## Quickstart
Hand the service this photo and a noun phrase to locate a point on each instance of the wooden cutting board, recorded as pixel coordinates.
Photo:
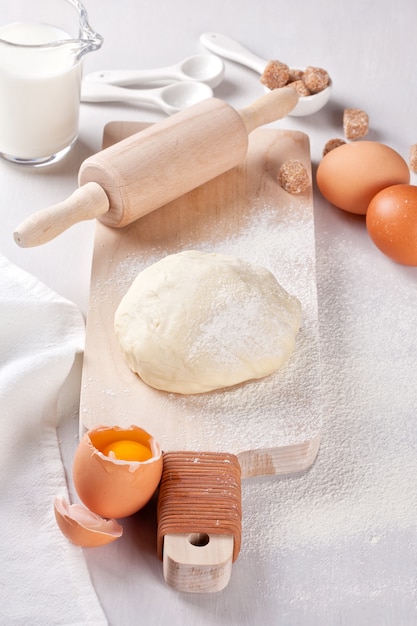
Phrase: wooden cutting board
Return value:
(273, 425)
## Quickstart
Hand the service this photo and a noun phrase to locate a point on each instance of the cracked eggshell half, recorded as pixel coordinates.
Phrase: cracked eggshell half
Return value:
(83, 527)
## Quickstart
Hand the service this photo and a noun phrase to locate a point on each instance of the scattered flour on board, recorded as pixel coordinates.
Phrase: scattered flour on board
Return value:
(286, 406)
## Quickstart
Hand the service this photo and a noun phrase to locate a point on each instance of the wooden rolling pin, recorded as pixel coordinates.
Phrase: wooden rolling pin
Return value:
(139, 174)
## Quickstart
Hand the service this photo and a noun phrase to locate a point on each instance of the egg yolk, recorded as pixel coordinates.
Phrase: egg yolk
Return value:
(125, 450)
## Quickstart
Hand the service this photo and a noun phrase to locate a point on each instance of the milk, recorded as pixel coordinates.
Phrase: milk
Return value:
(39, 91)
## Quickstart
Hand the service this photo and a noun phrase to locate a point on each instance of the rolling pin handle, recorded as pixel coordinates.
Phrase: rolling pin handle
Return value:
(87, 202)
(270, 107)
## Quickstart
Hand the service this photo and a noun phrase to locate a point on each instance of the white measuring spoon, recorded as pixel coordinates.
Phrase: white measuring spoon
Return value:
(171, 98)
(204, 68)
(230, 49)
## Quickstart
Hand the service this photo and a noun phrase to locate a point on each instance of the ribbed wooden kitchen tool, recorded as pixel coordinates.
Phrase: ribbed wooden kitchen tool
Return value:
(266, 427)
(145, 171)
(199, 519)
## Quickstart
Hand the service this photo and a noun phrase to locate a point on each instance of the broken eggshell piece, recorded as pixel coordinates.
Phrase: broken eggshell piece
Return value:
(83, 527)
(112, 487)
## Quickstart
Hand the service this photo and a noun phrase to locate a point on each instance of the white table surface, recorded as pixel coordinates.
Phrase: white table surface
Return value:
(337, 545)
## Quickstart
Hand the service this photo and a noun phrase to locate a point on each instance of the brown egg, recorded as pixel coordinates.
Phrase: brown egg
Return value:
(391, 221)
(117, 470)
(352, 174)
(84, 528)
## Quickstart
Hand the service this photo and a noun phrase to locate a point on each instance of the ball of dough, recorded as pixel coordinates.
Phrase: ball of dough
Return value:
(194, 322)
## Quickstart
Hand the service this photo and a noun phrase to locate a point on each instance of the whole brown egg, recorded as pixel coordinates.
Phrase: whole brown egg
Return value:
(350, 175)
(391, 221)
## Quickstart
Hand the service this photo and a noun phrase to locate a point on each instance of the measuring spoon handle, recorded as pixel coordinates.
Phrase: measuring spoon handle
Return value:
(122, 78)
(103, 92)
(230, 49)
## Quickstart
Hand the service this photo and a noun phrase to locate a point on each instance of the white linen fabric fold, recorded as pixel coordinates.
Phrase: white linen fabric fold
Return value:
(43, 578)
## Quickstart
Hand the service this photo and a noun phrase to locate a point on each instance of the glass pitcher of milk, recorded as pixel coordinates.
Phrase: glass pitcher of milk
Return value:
(42, 43)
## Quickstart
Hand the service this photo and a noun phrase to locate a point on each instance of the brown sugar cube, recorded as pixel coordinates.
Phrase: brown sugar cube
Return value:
(355, 123)
(275, 75)
(300, 87)
(293, 177)
(332, 144)
(316, 78)
(413, 158)
(295, 74)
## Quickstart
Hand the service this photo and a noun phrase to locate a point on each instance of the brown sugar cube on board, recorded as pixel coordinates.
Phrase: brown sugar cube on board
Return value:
(275, 75)
(332, 144)
(413, 158)
(355, 123)
(293, 177)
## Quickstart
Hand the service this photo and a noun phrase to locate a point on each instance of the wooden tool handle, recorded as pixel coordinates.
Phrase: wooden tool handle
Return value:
(270, 107)
(197, 563)
(85, 203)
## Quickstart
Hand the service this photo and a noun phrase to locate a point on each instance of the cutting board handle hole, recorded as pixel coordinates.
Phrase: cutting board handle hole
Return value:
(199, 539)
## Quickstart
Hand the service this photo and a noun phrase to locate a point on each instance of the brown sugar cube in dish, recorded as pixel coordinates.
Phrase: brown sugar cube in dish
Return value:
(295, 74)
(300, 87)
(413, 158)
(316, 78)
(332, 144)
(275, 75)
(293, 177)
(355, 123)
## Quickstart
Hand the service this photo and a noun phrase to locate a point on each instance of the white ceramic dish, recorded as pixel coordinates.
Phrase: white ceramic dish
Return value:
(234, 51)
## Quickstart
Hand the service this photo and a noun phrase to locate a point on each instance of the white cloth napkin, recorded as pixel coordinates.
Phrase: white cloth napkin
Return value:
(43, 578)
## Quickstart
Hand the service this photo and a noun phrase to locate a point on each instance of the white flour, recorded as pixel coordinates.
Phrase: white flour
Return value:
(282, 409)
(360, 497)
(322, 548)
(365, 473)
